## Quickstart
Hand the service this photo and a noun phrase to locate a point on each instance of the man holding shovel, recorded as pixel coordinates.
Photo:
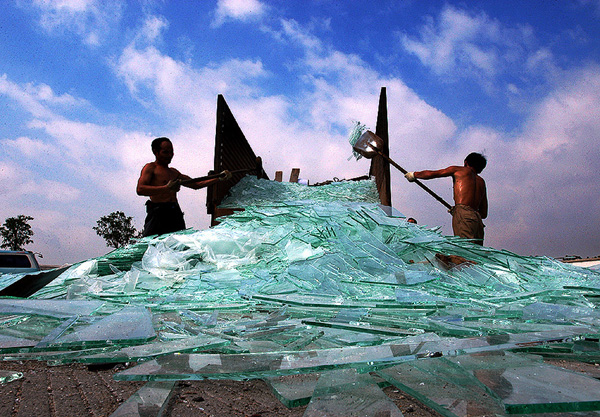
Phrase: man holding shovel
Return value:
(161, 183)
(470, 195)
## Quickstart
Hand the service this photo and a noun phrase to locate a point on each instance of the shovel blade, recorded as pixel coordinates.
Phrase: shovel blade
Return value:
(368, 144)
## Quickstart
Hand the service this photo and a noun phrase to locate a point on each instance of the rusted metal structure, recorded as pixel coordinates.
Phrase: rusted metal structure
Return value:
(233, 152)
(380, 167)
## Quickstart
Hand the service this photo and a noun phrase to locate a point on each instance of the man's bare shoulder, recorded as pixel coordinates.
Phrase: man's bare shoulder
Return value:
(153, 166)
(150, 166)
(463, 171)
(452, 170)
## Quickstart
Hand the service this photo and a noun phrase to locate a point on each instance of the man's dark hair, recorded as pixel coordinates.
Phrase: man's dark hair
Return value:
(157, 142)
(476, 161)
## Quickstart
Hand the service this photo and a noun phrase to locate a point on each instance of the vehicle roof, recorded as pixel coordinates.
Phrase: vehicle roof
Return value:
(14, 251)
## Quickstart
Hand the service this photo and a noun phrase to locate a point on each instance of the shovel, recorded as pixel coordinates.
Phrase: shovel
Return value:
(369, 145)
(257, 168)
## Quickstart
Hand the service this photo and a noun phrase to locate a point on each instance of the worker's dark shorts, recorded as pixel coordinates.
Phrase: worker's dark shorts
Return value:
(163, 218)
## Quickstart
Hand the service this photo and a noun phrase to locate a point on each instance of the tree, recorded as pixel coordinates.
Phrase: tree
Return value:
(116, 229)
(16, 232)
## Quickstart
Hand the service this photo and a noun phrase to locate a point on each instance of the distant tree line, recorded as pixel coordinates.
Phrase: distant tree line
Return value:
(115, 228)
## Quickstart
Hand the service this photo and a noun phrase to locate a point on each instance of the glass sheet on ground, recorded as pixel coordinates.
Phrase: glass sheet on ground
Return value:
(9, 376)
(344, 392)
(293, 390)
(150, 400)
(495, 383)
(302, 271)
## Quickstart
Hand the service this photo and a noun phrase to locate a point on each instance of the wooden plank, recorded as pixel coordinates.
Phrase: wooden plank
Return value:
(295, 174)
(279, 176)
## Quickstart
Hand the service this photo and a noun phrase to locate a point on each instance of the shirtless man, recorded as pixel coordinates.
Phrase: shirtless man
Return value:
(161, 183)
(470, 195)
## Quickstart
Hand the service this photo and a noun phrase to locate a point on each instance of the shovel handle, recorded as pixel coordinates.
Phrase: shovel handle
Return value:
(210, 177)
(416, 181)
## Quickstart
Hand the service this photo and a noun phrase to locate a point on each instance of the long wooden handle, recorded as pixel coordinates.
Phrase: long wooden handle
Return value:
(416, 181)
(210, 177)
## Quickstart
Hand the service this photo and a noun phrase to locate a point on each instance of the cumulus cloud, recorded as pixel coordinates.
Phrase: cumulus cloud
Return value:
(91, 20)
(39, 99)
(30, 148)
(544, 193)
(457, 40)
(244, 10)
(87, 151)
(459, 43)
(18, 182)
(25, 99)
(179, 89)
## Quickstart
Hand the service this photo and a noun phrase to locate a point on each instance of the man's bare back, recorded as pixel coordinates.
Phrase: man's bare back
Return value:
(470, 195)
(469, 188)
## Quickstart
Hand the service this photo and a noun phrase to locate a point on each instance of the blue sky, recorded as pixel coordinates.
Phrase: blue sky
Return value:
(85, 85)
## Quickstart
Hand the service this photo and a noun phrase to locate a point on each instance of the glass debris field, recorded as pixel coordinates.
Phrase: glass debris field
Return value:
(323, 281)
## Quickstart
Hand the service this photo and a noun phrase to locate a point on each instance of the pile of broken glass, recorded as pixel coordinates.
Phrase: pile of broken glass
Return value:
(324, 282)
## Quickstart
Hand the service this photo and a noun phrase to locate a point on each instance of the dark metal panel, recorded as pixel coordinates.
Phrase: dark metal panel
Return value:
(232, 152)
(380, 167)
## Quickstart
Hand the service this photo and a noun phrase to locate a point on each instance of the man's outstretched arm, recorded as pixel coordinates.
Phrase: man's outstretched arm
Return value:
(429, 175)
(225, 175)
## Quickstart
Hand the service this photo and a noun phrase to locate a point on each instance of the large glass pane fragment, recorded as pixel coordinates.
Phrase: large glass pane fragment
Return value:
(345, 392)
(150, 400)
(498, 382)
(9, 376)
(52, 308)
(259, 365)
(294, 390)
(131, 324)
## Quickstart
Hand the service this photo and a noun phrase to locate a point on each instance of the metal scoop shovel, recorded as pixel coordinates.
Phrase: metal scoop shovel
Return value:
(369, 145)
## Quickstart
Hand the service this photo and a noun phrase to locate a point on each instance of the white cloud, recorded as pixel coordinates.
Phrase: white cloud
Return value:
(31, 148)
(179, 90)
(18, 182)
(243, 10)
(39, 99)
(28, 101)
(9, 174)
(153, 29)
(455, 41)
(92, 20)
(92, 154)
(460, 44)
(295, 32)
(543, 182)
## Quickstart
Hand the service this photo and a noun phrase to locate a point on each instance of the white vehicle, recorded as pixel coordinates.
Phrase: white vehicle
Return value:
(15, 262)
